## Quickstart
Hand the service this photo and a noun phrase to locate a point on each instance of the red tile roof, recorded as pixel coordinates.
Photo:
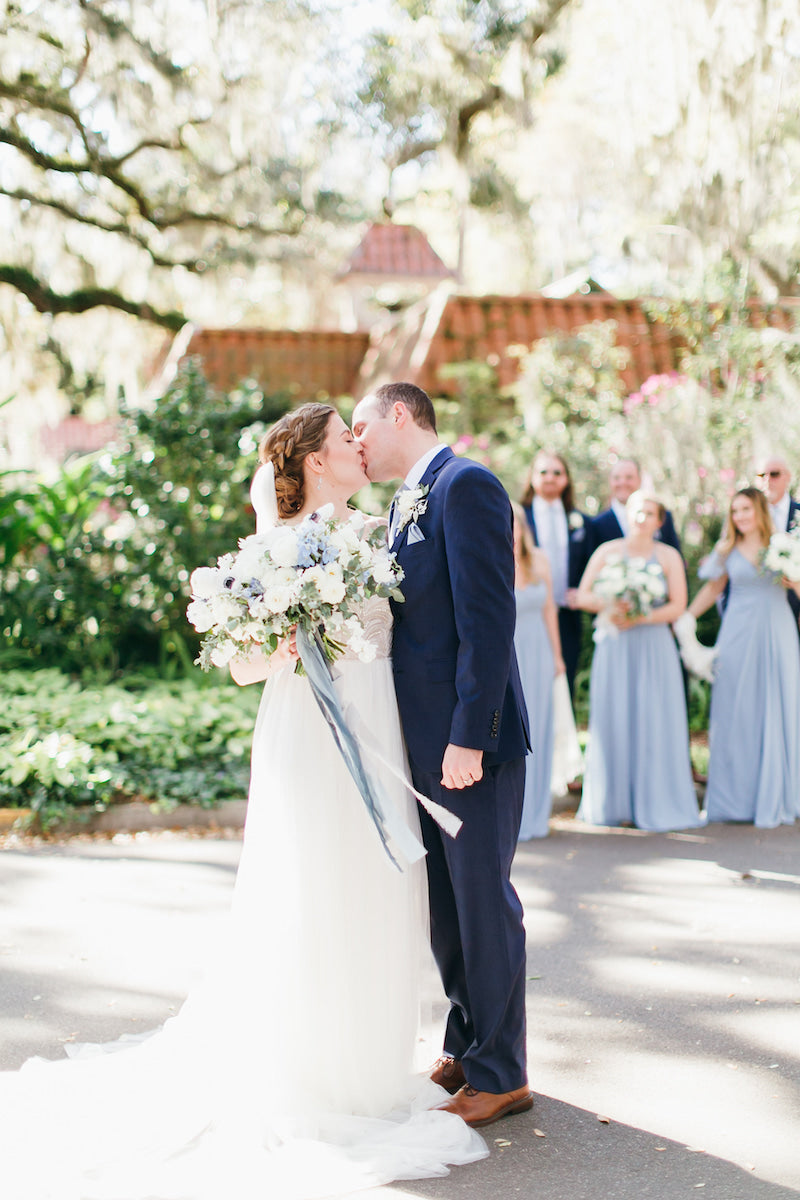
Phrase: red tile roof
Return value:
(454, 328)
(308, 363)
(395, 252)
(443, 328)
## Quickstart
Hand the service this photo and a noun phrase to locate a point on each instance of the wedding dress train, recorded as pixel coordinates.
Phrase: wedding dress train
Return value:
(287, 1074)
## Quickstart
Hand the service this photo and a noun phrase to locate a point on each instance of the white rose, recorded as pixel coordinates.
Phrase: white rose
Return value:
(249, 563)
(328, 582)
(205, 582)
(224, 607)
(199, 614)
(284, 549)
(339, 541)
(381, 570)
(364, 649)
(222, 655)
(276, 599)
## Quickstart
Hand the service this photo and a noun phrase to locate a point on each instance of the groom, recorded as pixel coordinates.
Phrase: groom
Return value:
(465, 727)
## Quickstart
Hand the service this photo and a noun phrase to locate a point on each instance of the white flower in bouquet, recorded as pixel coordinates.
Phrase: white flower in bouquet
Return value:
(382, 569)
(328, 581)
(200, 616)
(633, 583)
(782, 555)
(284, 549)
(353, 633)
(205, 582)
(312, 575)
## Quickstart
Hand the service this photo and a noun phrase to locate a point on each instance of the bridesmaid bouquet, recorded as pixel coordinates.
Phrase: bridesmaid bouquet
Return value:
(633, 583)
(782, 555)
(309, 576)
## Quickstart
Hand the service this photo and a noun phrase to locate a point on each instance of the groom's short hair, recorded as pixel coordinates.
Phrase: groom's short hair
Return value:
(418, 403)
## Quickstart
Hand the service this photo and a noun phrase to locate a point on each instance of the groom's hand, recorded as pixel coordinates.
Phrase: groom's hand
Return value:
(461, 766)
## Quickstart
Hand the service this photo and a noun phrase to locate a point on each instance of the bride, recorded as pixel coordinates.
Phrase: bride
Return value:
(288, 1073)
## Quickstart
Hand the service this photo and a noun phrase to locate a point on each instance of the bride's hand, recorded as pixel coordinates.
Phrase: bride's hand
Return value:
(287, 653)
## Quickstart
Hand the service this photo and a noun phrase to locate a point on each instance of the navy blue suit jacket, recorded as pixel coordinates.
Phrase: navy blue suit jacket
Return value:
(455, 669)
(794, 516)
(606, 528)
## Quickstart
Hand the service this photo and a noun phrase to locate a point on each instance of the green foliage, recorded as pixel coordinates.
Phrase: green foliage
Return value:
(570, 392)
(482, 422)
(94, 568)
(62, 744)
(180, 485)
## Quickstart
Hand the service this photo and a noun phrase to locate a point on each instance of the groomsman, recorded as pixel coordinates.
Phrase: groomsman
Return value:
(624, 479)
(773, 477)
(560, 530)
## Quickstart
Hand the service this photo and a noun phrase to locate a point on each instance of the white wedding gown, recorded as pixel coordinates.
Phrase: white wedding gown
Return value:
(288, 1073)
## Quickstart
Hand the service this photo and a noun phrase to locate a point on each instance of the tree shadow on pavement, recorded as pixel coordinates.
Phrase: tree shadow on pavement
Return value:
(582, 1158)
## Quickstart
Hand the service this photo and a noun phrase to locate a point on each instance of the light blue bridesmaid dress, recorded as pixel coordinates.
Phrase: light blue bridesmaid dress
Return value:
(638, 769)
(536, 666)
(754, 732)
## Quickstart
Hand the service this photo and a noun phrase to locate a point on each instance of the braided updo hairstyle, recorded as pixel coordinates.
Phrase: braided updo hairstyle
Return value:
(287, 444)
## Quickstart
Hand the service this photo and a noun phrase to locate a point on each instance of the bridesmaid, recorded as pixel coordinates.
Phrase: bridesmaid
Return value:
(538, 646)
(638, 770)
(754, 733)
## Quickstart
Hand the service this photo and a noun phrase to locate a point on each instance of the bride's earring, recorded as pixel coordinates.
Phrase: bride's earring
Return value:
(319, 483)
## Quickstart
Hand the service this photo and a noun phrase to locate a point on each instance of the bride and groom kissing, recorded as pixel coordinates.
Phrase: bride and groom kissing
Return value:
(459, 698)
(288, 1071)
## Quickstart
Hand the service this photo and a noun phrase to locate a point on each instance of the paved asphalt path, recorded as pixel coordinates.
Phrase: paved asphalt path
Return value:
(663, 996)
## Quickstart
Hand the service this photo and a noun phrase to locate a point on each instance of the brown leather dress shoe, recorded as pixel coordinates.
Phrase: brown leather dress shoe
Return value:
(483, 1108)
(449, 1074)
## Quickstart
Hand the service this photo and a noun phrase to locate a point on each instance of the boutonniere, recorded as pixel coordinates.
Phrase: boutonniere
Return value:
(409, 506)
(575, 520)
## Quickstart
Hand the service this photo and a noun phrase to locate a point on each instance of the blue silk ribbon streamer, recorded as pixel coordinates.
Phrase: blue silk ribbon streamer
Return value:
(386, 820)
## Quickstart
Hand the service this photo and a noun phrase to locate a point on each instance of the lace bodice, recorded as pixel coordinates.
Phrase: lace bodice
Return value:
(376, 617)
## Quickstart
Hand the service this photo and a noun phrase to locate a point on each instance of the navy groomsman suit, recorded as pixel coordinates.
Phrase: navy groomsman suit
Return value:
(794, 599)
(570, 620)
(792, 517)
(457, 683)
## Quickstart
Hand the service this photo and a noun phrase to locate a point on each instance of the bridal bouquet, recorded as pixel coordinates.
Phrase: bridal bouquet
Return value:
(309, 576)
(782, 555)
(633, 582)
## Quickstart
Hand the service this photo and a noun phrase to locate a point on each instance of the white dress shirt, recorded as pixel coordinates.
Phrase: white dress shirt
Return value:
(552, 532)
(780, 513)
(421, 465)
(621, 513)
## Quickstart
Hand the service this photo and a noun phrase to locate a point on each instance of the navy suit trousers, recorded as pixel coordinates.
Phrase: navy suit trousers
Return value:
(477, 930)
